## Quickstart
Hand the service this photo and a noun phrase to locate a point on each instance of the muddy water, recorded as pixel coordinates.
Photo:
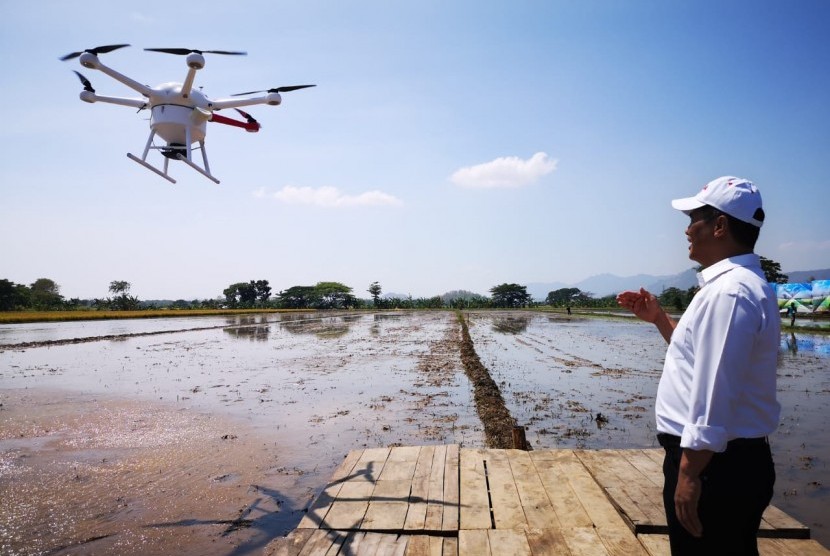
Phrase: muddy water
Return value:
(213, 436)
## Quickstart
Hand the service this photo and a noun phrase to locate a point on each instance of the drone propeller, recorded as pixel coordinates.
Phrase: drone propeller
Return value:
(87, 85)
(186, 51)
(96, 51)
(275, 90)
(251, 119)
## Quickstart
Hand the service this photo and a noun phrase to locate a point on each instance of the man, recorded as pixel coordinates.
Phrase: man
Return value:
(716, 401)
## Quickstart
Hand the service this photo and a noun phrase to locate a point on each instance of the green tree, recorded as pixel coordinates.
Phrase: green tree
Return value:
(672, 297)
(374, 290)
(13, 296)
(122, 301)
(563, 296)
(262, 291)
(118, 287)
(334, 295)
(510, 295)
(772, 271)
(296, 297)
(45, 294)
(241, 294)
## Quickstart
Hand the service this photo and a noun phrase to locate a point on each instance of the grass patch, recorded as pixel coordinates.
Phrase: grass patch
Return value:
(17, 317)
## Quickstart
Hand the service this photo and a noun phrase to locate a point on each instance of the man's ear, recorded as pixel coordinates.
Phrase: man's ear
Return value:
(721, 227)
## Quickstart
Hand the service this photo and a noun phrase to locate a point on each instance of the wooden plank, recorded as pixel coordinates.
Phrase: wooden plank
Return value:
(566, 505)
(398, 471)
(791, 547)
(436, 547)
(655, 545)
(776, 523)
(405, 453)
(321, 541)
(656, 455)
(474, 502)
(451, 479)
(583, 541)
(435, 502)
(645, 464)
(369, 544)
(658, 545)
(610, 526)
(370, 465)
(290, 545)
(391, 545)
(353, 544)
(630, 491)
(387, 506)
(473, 542)
(504, 496)
(337, 543)
(345, 516)
(418, 545)
(547, 541)
(449, 547)
(419, 493)
(321, 505)
(537, 508)
(509, 541)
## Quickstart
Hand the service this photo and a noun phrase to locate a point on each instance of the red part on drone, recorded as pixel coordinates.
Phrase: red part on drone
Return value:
(252, 127)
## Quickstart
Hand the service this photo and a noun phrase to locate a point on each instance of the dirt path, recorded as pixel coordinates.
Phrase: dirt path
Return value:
(494, 415)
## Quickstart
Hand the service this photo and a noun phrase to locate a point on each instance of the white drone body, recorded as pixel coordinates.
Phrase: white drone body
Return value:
(178, 113)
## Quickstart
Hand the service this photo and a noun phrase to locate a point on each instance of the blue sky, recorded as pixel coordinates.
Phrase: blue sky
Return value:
(447, 145)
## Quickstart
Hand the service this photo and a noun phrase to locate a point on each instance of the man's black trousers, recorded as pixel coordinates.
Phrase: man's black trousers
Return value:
(737, 486)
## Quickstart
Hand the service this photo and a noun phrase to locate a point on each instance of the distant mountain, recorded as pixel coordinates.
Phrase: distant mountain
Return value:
(608, 284)
(799, 276)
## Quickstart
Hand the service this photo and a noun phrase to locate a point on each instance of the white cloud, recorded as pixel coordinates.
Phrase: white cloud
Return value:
(141, 18)
(329, 197)
(508, 171)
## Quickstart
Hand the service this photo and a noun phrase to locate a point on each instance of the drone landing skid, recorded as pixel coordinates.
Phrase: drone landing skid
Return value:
(152, 168)
(174, 152)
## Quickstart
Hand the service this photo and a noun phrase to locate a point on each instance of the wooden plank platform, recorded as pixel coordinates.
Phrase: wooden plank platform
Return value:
(442, 500)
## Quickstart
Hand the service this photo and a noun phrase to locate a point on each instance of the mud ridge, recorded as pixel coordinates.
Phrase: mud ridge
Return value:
(497, 421)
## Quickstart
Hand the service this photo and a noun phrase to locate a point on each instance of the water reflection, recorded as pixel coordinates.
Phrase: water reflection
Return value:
(805, 343)
(322, 327)
(513, 324)
(248, 327)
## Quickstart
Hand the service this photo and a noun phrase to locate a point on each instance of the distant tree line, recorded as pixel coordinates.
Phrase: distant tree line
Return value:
(44, 295)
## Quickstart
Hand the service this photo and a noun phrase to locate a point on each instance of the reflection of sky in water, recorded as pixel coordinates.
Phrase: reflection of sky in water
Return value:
(808, 343)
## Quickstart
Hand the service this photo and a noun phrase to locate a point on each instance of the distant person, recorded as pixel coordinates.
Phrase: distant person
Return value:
(716, 401)
(791, 314)
(568, 309)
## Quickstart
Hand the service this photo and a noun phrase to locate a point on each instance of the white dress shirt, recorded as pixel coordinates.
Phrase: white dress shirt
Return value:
(719, 376)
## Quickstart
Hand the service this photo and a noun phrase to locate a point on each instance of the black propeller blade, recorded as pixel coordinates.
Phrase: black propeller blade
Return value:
(251, 119)
(186, 51)
(97, 50)
(87, 85)
(275, 90)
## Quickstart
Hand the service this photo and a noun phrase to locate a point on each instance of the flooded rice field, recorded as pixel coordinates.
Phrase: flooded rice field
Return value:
(211, 435)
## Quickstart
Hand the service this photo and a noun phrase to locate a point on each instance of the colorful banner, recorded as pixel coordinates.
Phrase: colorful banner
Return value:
(807, 297)
(821, 295)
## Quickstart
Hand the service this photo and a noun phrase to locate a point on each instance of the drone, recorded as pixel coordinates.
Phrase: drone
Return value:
(178, 113)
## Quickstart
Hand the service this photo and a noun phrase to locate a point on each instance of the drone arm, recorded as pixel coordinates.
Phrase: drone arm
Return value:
(91, 61)
(273, 99)
(247, 126)
(90, 97)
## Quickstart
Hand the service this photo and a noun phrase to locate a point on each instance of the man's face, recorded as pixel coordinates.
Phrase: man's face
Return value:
(701, 234)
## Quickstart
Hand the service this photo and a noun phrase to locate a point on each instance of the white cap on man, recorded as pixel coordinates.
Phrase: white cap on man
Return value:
(736, 197)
